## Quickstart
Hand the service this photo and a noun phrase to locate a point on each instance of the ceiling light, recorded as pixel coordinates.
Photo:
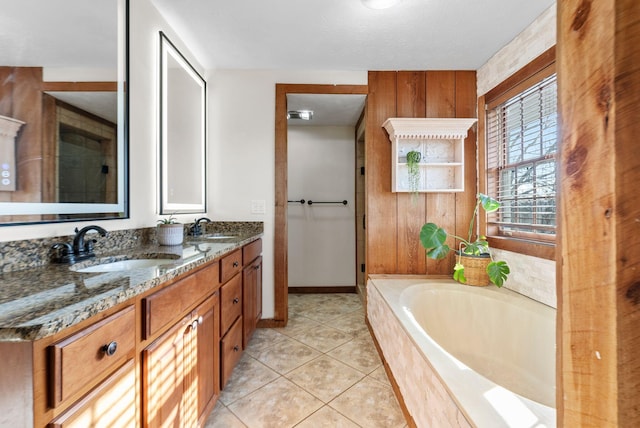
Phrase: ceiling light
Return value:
(300, 114)
(380, 4)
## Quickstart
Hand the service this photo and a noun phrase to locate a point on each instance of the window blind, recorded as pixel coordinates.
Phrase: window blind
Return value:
(522, 142)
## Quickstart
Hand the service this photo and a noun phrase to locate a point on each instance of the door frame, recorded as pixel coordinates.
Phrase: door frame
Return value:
(280, 240)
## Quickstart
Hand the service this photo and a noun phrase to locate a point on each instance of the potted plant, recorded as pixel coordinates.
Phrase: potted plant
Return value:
(474, 263)
(169, 232)
(413, 170)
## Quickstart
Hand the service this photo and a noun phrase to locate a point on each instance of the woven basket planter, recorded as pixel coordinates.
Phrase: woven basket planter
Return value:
(170, 234)
(475, 269)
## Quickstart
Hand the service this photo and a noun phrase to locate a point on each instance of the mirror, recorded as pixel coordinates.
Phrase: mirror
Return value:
(63, 111)
(182, 133)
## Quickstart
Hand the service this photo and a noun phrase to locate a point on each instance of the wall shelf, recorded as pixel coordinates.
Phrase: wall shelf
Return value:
(440, 142)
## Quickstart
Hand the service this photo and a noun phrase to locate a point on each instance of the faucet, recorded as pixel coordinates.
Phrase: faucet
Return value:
(84, 250)
(196, 229)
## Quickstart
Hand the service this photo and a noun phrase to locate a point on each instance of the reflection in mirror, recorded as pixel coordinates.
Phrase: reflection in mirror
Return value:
(65, 85)
(182, 133)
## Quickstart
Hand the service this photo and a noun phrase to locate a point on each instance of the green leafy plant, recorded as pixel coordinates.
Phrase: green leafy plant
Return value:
(413, 169)
(168, 220)
(433, 237)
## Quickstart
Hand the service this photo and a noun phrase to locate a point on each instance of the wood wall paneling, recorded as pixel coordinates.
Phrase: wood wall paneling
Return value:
(411, 102)
(598, 291)
(394, 220)
(381, 204)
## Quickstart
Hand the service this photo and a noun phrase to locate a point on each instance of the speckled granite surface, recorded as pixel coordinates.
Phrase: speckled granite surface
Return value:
(38, 299)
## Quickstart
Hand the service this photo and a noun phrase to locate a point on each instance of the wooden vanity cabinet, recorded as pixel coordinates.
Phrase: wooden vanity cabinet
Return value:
(251, 298)
(179, 385)
(251, 288)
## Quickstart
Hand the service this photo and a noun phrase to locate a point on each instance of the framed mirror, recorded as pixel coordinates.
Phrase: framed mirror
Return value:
(182, 133)
(63, 111)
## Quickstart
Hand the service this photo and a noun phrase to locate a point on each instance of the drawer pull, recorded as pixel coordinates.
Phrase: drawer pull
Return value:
(236, 264)
(110, 349)
(236, 301)
(236, 348)
(256, 267)
(194, 325)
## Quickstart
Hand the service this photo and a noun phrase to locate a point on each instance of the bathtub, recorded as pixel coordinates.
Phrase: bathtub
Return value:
(466, 356)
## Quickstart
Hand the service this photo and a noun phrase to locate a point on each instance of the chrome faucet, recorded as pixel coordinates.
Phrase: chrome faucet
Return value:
(84, 250)
(196, 229)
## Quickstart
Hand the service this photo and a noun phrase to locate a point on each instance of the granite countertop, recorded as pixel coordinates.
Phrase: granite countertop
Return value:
(39, 302)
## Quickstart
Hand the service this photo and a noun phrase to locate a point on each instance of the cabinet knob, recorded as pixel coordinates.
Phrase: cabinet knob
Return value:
(256, 267)
(236, 301)
(110, 348)
(236, 264)
(194, 325)
(200, 320)
(236, 348)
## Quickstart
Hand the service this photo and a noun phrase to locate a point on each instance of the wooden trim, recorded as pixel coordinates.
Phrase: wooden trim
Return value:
(80, 86)
(271, 323)
(521, 246)
(541, 67)
(538, 64)
(392, 380)
(280, 242)
(321, 290)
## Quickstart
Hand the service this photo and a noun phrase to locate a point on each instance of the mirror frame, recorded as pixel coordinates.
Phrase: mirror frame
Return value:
(167, 50)
(121, 207)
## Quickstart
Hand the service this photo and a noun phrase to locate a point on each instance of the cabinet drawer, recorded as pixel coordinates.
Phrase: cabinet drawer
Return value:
(251, 251)
(90, 354)
(230, 351)
(230, 303)
(110, 404)
(167, 305)
(230, 265)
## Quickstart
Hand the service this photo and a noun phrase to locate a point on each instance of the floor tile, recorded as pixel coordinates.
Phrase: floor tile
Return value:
(361, 354)
(264, 338)
(327, 417)
(323, 338)
(297, 324)
(353, 322)
(370, 404)
(286, 356)
(280, 404)
(325, 377)
(247, 376)
(380, 375)
(221, 417)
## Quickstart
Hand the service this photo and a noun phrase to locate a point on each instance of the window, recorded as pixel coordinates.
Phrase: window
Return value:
(518, 159)
(521, 162)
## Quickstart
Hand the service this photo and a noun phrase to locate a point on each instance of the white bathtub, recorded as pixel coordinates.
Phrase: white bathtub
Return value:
(466, 356)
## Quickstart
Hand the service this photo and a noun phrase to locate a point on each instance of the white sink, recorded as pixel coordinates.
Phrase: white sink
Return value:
(121, 265)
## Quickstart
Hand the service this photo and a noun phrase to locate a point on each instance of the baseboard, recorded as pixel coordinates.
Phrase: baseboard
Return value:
(317, 290)
(392, 380)
(271, 323)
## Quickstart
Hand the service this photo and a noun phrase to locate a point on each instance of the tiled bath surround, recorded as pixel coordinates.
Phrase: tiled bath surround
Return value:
(426, 398)
(33, 253)
(531, 276)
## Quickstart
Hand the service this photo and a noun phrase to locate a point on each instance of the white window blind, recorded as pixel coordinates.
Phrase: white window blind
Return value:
(522, 141)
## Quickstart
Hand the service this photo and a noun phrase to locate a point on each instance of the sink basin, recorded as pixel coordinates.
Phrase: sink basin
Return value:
(219, 236)
(121, 265)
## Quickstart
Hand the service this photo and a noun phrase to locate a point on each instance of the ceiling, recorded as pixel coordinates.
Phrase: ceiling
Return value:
(345, 35)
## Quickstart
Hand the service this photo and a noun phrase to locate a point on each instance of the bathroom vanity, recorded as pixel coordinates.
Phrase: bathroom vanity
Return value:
(147, 346)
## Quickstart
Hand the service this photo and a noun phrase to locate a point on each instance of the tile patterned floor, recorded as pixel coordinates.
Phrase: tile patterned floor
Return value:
(322, 370)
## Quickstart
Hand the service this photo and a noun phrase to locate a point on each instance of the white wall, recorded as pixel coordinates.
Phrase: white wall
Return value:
(145, 23)
(242, 148)
(322, 240)
(531, 276)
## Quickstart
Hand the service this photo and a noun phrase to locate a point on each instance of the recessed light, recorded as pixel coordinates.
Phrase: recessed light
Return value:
(300, 114)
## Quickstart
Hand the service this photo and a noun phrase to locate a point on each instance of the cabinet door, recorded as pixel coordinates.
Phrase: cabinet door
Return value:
(163, 377)
(208, 346)
(251, 299)
(112, 404)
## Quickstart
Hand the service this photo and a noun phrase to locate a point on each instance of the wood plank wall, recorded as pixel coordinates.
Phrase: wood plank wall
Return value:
(599, 258)
(394, 220)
